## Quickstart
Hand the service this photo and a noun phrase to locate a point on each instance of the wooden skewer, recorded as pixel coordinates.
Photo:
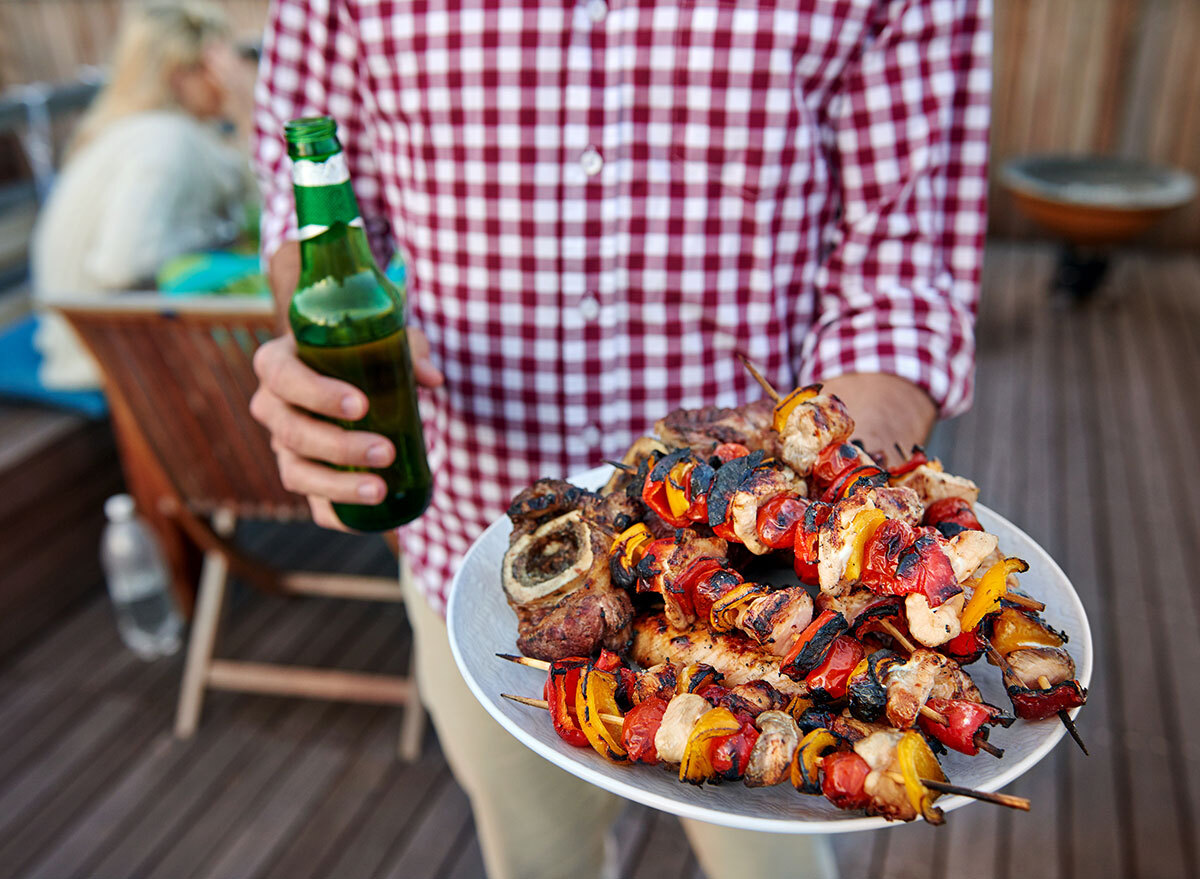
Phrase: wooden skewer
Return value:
(539, 664)
(542, 665)
(621, 465)
(758, 377)
(1024, 601)
(1044, 683)
(610, 719)
(984, 745)
(999, 799)
(941, 786)
(889, 627)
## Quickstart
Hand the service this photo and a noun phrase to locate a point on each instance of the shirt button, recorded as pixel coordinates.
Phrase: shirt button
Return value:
(591, 161)
(596, 10)
(590, 435)
(589, 308)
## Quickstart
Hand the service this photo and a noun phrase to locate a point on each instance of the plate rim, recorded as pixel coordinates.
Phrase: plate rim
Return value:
(596, 476)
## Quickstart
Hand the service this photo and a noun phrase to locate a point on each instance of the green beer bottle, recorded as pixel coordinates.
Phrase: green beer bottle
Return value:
(348, 320)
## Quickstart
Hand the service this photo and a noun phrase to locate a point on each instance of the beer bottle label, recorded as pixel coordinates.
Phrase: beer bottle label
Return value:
(323, 195)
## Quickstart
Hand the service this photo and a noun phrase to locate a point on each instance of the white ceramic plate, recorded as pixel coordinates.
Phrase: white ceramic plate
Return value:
(481, 625)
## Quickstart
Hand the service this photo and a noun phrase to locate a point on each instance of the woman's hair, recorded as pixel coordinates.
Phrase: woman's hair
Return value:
(157, 39)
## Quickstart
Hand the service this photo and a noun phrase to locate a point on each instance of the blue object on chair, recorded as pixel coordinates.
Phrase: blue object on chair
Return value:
(19, 362)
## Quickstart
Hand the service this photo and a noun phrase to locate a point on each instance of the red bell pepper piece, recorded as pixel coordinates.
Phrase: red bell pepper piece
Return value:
(559, 691)
(1040, 704)
(915, 460)
(843, 776)
(829, 679)
(965, 720)
(730, 755)
(833, 461)
(640, 725)
(953, 511)
(778, 519)
(813, 645)
(804, 544)
(728, 451)
(654, 495)
(965, 647)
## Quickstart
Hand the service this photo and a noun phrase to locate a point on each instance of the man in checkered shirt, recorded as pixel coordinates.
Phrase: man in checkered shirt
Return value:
(601, 203)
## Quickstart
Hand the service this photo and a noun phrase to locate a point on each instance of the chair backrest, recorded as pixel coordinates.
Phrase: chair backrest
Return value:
(182, 370)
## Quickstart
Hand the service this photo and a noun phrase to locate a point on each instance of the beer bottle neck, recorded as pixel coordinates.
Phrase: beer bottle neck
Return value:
(331, 233)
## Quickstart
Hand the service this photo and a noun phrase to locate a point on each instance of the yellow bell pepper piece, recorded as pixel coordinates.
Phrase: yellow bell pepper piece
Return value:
(987, 594)
(1014, 630)
(916, 762)
(785, 407)
(865, 524)
(806, 764)
(596, 694)
(676, 496)
(629, 542)
(696, 767)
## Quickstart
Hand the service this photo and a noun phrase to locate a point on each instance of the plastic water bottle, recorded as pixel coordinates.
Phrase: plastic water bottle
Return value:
(138, 582)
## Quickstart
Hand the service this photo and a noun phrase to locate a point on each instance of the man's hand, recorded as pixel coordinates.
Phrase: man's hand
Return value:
(290, 394)
(887, 411)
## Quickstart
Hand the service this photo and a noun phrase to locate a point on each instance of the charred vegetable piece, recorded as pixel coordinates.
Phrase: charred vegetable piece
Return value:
(725, 483)
(771, 759)
(868, 686)
(925, 568)
(915, 459)
(816, 717)
(627, 550)
(966, 720)
(730, 755)
(806, 542)
(843, 780)
(813, 644)
(596, 696)
(696, 767)
(724, 613)
(951, 516)
(1040, 704)
(986, 599)
(916, 762)
(829, 680)
(806, 765)
(777, 520)
(695, 676)
(834, 460)
(864, 526)
(965, 647)
(639, 728)
(1014, 630)
(562, 684)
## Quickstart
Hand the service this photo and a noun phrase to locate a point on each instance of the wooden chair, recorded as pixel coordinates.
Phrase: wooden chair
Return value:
(179, 377)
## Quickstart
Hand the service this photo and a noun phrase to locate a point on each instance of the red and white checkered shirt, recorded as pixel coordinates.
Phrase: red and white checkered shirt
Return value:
(602, 201)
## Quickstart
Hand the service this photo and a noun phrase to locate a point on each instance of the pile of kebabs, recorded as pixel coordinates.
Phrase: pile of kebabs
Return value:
(657, 610)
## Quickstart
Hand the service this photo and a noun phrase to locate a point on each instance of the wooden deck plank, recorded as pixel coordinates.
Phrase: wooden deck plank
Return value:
(431, 846)
(1156, 839)
(664, 852)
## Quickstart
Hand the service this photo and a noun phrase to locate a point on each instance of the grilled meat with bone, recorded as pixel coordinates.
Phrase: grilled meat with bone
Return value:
(556, 571)
(704, 429)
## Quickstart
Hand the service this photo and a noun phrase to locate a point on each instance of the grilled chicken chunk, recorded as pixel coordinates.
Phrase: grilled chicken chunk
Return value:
(776, 620)
(933, 627)
(653, 680)
(909, 686)
(931, 483)
(735, 656)
(888, 797)
(967, 551)
(760, 486)
(690, 548)
(681, 715)
(812, 426)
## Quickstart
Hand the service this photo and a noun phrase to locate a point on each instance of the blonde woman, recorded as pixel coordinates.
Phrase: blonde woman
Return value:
(147, 176)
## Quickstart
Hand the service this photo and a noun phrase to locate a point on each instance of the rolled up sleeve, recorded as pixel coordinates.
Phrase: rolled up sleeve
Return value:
(310, 67)
(908, 137)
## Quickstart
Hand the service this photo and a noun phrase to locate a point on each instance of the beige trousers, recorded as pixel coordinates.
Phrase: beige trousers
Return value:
(536, 821)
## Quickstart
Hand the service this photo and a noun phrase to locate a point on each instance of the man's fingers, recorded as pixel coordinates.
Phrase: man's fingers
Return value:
(309, 437)
(283, 374)
(308, 477)
(424, 371)
(323, 514)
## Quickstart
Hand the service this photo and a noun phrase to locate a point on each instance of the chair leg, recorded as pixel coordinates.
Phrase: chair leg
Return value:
(213, 582)
(412, 726)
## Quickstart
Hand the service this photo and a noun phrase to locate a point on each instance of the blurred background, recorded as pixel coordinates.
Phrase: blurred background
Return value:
(1084, 433)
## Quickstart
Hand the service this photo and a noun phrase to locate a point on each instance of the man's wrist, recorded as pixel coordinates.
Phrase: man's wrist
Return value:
(889, 411)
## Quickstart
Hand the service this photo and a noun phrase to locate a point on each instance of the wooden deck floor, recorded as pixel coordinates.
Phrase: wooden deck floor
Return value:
(1084, 433)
